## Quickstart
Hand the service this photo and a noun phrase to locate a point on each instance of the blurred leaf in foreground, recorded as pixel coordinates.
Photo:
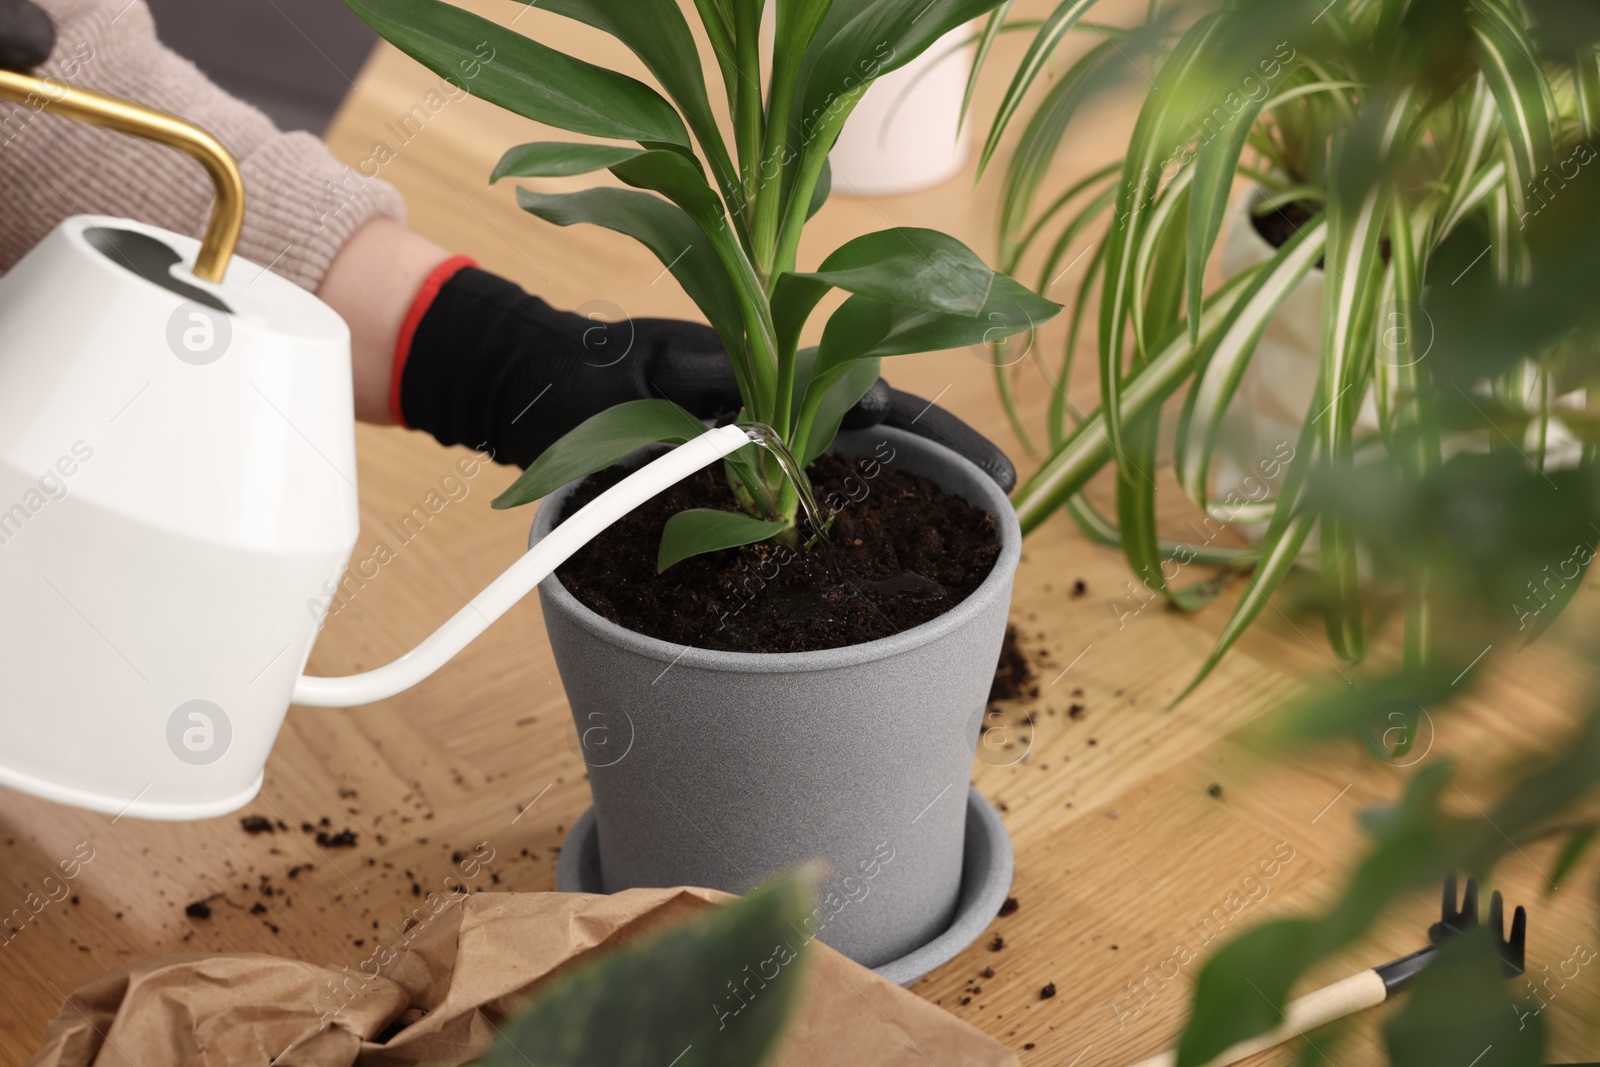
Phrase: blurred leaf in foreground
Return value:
(713, 992)
(1461, 1010)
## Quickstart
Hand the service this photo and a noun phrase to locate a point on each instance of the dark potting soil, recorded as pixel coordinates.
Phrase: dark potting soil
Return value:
(1013, 675)
(905, 551)
(1278, 226)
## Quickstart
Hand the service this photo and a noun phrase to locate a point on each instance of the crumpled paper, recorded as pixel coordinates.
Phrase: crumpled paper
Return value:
(437, 994)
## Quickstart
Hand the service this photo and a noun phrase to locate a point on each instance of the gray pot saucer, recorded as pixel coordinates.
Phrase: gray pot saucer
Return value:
(987, 865)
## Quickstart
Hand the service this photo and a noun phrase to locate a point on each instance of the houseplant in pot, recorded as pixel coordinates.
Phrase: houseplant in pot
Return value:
(1502, 544)
(1397, 148)
(765, 665)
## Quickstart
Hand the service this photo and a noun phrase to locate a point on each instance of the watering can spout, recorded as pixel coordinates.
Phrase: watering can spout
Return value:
(536, 564)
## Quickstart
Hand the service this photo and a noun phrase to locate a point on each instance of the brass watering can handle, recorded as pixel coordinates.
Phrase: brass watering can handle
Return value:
(97, 109)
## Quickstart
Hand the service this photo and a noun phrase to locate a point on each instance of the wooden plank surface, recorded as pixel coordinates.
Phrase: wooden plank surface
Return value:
(1126, 862)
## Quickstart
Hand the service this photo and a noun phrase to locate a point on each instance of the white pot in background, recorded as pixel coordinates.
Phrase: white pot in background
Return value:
(1275, 390)
(1274, 393)
(903, 136)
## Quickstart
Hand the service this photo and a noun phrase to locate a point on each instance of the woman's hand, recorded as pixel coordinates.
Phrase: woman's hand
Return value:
(441, 346)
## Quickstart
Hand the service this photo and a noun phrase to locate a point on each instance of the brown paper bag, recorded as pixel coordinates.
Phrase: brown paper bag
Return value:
(438, 994)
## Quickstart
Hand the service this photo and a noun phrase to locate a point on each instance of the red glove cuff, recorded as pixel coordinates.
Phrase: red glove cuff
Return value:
(408, 326)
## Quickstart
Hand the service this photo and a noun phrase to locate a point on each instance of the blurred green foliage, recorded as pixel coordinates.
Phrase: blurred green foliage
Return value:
(712, 992)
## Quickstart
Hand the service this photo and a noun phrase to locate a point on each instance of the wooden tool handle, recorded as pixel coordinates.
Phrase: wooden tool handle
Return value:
(1353, 994)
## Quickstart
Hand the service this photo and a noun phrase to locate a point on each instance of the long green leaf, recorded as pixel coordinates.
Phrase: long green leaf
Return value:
(1069, 350)
(844, 394)
(797, 24)
(700, 530)
(679, 178)
(1342, 582)
(525, 77)
(1471, 196)
(1013, 249)
(1088, 448)
(1480, 124)
(1460, 1007)
(819, 194)
(1505, 55)
(1160, 127)
(1102, 530)
(1572, 850)
(1214, 166)
(1357, 210)
(1227, 355)
(664, 229)
(1036, 149)
(1586, 86)
(1136, 460)
(718, 25)
(861, 40)
(1056, 26)
(1279, 551)
(598, 442)
(749, 117)
(1403, 342)
(986, 39)
(558, 159)
(1349, 306)
(1279, 554)
(864, 327)
(1158, 266)
(911, 266)
(656, 32)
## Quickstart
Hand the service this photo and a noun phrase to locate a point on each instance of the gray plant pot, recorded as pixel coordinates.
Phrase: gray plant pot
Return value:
(719, 769)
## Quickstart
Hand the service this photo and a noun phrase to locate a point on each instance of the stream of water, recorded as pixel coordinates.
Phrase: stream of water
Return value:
(904, 584)
(765, 437)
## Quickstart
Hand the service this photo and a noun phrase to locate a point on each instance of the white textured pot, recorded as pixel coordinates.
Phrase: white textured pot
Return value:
(1275, 391)
(906, 132)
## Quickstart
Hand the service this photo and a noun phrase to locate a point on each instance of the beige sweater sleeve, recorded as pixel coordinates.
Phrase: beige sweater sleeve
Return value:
(301, 204)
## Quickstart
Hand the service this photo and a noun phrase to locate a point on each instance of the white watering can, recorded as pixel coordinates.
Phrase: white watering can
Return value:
(177, 491)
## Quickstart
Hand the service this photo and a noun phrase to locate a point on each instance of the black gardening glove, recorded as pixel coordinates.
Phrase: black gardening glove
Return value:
(26, 35)
(496, 369)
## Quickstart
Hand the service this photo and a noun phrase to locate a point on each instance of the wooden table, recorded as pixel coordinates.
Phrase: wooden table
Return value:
(1122, 849)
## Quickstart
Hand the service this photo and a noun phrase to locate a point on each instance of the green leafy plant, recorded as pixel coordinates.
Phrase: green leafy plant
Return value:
(1480, 526)
(669, 995)
(726, 220)
(1411, 136)
(1425, 134)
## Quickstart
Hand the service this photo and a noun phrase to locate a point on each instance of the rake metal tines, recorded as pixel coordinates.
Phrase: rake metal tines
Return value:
(1453, 920)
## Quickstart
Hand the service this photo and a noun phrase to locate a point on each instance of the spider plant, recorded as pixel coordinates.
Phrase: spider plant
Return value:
(1501, 545)
(1411, 135)
(726, 219)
